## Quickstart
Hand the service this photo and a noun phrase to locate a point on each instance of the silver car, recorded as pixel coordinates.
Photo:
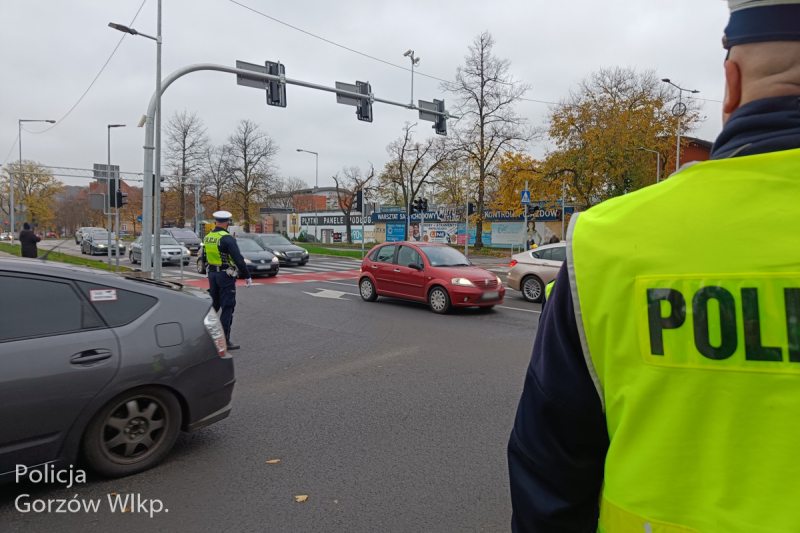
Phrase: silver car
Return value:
(531, 271)
(171, 251)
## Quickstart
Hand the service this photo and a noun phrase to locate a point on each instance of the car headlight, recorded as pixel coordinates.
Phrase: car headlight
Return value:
(247, 261)
(275, 260)
(462, 281)
(305, 252)
(278, 252)
(499, 281)
(101, 245)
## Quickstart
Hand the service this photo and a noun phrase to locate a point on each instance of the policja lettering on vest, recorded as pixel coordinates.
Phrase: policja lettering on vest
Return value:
(692, 347)
(225, 263)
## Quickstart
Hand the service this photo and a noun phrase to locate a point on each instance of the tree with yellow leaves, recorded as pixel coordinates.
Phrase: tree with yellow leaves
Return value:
(35, 188)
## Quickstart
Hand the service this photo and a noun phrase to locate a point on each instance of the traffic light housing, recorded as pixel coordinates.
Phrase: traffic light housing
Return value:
(122, 199)
(423, 205)
(530, 210)
(359, 201)
(471, 208)
(559, 214)
(364, 109)
(276, 91)
(154, 184)
(440, 126)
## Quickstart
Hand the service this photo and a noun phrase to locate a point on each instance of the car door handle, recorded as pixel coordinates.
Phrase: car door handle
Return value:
(397, 270)
(90, 356)
(374, 266)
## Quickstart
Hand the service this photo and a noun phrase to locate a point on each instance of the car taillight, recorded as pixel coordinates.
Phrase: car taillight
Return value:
(513, 262)
(214, 328)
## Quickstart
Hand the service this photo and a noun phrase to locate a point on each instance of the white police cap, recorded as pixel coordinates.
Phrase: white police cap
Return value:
(222, 216)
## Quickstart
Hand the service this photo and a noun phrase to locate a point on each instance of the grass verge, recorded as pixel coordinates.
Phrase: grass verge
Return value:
(327, 251)
(63, 258)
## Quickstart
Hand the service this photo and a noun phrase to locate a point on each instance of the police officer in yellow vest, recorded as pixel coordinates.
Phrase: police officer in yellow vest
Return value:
(663, 394)
(225, 262)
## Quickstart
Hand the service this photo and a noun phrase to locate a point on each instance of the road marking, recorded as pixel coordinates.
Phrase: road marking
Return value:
(327, 293)
(339, 283)
(518, 309)
(329, 290)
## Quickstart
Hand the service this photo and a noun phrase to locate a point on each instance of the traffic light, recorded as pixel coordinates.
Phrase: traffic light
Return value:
(471, 208)
(530, 210)
(559, 214)
(364, 109)
(154, 184)
(440, 126)
(122, 199)
(112, 192)
(359, 201)
(423, 205)
(276, 91)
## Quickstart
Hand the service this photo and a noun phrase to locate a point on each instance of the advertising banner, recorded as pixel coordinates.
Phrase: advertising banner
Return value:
(444, 233)
(486, 235)
(395, 232)
(508, 233)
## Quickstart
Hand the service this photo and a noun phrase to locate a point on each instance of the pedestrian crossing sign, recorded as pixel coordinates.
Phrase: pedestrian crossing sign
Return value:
(526, 198)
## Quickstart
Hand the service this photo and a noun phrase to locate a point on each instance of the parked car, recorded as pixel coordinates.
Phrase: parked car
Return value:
(87, 229)
(97, 243)
(186, 237)
(286, 252)
(259, 261)
(532, 270)
(103, 366)
(171, 251)
(433, 273)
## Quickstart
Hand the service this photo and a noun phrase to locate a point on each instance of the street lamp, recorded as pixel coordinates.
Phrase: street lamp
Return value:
(316, 186)
(414, 62)
(658, 161)
(19, 177)
(110, 192)
(679, 110)
(151, 207)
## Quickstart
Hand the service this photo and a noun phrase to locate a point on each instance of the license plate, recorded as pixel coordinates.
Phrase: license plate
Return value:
(491, 295)
(263, 267)
(296, 259)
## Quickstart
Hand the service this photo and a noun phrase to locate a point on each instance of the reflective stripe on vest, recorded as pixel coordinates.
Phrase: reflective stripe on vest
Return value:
(211, 246)
(548, 288)
(687, 300)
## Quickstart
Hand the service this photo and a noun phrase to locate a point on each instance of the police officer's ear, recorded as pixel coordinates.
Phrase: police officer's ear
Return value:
(733, 89)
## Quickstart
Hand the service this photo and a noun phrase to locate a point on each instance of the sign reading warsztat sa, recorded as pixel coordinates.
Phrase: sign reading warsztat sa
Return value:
(545, 213)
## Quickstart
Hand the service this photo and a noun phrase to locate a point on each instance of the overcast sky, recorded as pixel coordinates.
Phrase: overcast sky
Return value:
(50, 50)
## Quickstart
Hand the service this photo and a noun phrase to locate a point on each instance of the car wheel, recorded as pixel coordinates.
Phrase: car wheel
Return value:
(367, 290)
(201, 268)
(133, 260)
(439, 301)
(532, 289)
(133, 432)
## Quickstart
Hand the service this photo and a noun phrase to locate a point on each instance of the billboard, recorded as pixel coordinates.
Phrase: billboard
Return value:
(508, 233)
(486, 235)
(395, 232)
(444, 233)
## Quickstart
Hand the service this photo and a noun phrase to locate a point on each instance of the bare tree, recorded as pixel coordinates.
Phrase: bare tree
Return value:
(485, 98)
(348, 184)
(252, 166)
(184, 153)
(412, 164)
(285, 190)
(216, 174)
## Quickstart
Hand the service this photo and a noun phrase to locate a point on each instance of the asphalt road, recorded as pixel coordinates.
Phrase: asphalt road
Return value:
(388, 417)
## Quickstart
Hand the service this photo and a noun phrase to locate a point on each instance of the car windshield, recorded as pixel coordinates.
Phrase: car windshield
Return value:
(440, 256)
(181, 233)
(248, 245)
(166, 239)
(97, 236)
(275, 239)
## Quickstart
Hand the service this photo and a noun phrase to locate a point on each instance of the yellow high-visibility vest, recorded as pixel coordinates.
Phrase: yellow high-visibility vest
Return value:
(211, 246)
(687, 299)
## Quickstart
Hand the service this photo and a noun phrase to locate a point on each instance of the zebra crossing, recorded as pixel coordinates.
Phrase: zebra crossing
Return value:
(314, 270)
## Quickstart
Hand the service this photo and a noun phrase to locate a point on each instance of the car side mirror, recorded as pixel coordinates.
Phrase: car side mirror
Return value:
(415, 266)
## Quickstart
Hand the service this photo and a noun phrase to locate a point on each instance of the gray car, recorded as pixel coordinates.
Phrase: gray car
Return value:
(186, 237)
(81, 232)
(102, 366)
(97, 243)
(286, 252)
(171, 251)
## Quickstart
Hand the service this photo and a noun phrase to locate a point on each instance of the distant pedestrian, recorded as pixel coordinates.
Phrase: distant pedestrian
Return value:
(28, 240)
(553, 239)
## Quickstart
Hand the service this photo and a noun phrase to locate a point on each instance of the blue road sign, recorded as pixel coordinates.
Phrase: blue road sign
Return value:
(139, 218)
(526, 198)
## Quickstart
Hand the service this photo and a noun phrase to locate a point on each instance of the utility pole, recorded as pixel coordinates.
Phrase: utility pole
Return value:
(466, 218)
(109, 175)
(157, 176)
(563, 207)
(422, 222)
(679, 110)
(525, 226)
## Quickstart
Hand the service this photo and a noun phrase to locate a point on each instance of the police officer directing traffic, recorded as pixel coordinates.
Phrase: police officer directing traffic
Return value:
(665, 376)
(224, 260)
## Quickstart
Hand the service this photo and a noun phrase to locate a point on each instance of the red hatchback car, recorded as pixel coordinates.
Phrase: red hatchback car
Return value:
(433, 273)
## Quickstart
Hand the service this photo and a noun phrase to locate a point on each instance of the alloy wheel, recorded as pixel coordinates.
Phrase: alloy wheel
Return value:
(438, 300)
(532, 289)
(134, 430)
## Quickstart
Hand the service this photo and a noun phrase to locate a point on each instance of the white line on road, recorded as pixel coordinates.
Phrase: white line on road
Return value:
(340, 283)
(350, 293)
(518, 309)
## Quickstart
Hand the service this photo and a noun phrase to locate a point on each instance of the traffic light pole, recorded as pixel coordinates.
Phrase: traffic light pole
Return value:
(149, 144)
(525, 227)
